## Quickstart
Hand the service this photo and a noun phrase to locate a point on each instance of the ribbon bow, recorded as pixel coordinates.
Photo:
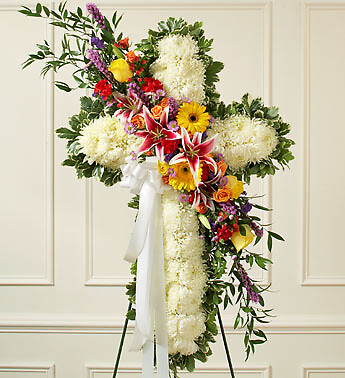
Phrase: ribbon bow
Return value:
(146, 246)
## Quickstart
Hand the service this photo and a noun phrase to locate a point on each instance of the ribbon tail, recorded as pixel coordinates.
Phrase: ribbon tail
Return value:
(159, 299)
(140, 231)
(148, 368)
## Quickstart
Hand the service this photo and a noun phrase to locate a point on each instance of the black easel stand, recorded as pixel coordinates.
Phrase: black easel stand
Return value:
(227, 352)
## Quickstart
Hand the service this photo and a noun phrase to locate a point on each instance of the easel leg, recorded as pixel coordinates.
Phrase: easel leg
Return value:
(225, 344)
(121, 342)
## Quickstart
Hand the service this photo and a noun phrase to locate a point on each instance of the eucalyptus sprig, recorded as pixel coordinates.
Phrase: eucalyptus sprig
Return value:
(78, 31)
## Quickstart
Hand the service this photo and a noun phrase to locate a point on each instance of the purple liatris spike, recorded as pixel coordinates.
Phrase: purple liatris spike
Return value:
(247, 283)
(96, 14)
(97, 42)
(98, 62)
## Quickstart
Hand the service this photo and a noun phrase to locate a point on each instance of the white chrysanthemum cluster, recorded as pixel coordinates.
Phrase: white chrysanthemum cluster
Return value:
(179, 69)
(243, 140)
(105, 141)
(185, 274)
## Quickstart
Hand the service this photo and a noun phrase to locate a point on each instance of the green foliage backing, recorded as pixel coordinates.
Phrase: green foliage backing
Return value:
(90, 109)
(254, 108)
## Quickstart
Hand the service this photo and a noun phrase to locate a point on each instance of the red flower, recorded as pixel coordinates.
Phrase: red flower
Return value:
(124, 43)
(151, 85)
(103, 88)
(132, 57)
(170, 145)
(205, 172)
(224, 233)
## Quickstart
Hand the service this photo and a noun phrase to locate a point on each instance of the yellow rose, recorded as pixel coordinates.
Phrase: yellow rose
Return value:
(235, 186)
(120, 70)
(240, 241)
(163, 167)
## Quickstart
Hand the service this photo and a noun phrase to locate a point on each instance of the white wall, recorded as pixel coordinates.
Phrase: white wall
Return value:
(62, 276)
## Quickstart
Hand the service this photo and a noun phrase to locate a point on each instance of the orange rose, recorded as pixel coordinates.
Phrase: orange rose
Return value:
(156, 111)
(201, 208)
(165, 102)
(165, 180)
(138, 121)
(221, 166)
(222, 195)
(131, 57)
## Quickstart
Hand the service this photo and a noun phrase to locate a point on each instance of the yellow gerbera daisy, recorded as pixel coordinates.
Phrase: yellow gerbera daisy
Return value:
(182, 178)
(193, 117)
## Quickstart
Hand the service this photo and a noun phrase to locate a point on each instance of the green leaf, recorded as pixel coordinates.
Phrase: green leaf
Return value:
(276, 236)
(38, 8)
(68, 163)
(118, 53)
(131, 314)
(261, 207)
(63, 86)
(203, 219)
(237, 320)
(46, 11)
(190, 363)
(65, 133)
(259, 333)
(269, 242)
(242, 230)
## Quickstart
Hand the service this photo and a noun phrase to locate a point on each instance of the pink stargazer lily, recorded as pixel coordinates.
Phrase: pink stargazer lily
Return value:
(204, 192)
(194, 152)
(131, 105)
(156, 132)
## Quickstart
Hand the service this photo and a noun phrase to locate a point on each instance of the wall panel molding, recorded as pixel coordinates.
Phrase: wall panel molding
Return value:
(313, 372)
(48, 277)
(307, 278)
(114, 326)
(93, 371)
(47, 371)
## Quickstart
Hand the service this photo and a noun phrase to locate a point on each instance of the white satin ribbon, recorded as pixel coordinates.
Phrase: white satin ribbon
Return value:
(146, 246)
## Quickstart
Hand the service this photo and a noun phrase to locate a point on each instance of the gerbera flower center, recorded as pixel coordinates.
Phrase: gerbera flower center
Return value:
(193, 118)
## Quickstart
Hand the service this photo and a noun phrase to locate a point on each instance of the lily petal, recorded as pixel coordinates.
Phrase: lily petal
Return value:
(147, 144)
(164, 116)
(179, 158)
(210, 161)
(205, 147)
(151, 124)
(194, 166)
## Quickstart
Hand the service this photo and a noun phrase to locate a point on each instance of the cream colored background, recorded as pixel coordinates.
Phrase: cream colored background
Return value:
(62, 276)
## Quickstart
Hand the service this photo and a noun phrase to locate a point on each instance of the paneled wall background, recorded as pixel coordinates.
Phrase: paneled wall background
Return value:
(62, 276)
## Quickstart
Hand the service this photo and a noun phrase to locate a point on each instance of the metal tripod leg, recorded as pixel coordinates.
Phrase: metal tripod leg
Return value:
(121, 342)
(227, 352)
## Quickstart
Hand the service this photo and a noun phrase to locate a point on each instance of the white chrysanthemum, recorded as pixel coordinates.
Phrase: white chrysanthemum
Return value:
(105, 141)
(183, 330)
(185, 274)
(243, 140)
(179, 68)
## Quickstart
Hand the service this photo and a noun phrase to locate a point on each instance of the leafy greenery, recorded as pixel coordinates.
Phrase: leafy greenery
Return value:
(90, 109)
(254, 108)
(78, 31)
